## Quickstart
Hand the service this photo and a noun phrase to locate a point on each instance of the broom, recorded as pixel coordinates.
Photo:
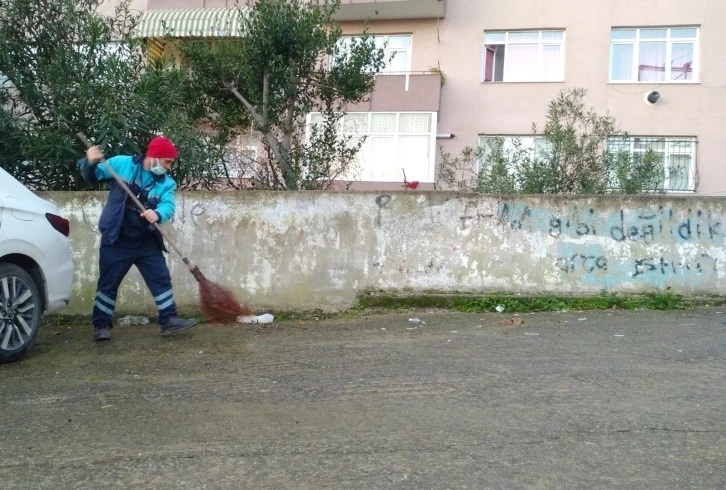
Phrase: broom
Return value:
(218, 303)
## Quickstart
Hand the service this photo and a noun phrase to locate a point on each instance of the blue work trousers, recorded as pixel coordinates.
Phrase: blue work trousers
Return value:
(116, 260)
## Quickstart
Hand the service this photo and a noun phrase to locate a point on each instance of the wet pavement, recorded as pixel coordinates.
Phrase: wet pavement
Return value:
(567, 400)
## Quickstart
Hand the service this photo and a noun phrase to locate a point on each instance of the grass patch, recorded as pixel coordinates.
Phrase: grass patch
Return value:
(661, 300)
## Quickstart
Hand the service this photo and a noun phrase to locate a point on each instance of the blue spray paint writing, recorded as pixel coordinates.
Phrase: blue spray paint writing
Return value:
(647, 225)
(657, 224)
(582, 263)
(588, 264)
(665, 266)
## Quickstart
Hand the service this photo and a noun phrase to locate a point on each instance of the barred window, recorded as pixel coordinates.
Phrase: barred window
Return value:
(677, 155)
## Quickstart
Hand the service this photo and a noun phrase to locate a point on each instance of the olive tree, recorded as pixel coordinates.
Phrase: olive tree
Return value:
(570, 155)
(288, 63)
(65, 68)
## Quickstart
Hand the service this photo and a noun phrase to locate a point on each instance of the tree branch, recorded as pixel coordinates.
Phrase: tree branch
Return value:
(261, 119)
(265, 99)
(288, 127)
(247, 105)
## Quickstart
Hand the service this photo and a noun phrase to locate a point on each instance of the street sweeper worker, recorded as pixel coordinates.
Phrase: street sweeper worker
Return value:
(128, 236)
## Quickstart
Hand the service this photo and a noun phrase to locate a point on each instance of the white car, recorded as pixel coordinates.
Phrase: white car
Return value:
(36, 268)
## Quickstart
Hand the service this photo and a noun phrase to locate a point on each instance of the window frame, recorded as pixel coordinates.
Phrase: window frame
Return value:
(387, 49)
(540, 48)
(669, 53)
(366, 149)
(239, 168)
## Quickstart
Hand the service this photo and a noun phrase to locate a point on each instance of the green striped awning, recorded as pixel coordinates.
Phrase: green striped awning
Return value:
(213, 22)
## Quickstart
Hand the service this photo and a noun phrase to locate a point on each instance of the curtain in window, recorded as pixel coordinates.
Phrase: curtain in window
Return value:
(356, 166)
(413, 155)
(399, 63)
(383, 123)
(682, 61)
(415, 123)
(316, 121)
(518, 63)
(551, 63)
(524, 37)
(652, 61)
(383, 157)
(678, 170)
(356, 123)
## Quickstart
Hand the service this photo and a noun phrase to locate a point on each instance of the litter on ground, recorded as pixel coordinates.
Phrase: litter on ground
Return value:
(512, 321)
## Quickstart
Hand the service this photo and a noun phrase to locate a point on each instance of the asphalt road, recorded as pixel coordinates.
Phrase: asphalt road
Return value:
(617, 400)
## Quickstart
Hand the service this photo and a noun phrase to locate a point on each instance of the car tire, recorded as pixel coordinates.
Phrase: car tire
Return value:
(20, 312)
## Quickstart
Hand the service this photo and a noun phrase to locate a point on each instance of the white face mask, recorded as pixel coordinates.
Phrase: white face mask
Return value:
(156, 168)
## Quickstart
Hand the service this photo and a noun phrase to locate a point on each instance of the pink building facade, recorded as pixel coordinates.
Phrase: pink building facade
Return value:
(657, 66)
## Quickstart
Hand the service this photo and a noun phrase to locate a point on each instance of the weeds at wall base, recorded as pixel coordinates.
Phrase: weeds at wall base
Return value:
(381, 302)
(656, 300)
(649, 301)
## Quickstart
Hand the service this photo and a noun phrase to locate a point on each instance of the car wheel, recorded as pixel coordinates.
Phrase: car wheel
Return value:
(20, 312)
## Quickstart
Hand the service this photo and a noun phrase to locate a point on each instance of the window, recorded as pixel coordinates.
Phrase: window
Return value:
(242, 157)
(654, 55)
(678, 156)
(397, 52)
(524, 56)
(394, 142)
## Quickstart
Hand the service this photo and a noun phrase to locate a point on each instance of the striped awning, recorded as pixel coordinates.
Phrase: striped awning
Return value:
(213, 22)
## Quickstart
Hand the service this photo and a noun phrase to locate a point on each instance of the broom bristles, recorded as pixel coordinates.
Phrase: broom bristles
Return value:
(218, 304)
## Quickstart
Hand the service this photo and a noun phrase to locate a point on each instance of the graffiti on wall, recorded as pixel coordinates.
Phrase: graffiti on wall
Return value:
(583, 235)
(625, 225)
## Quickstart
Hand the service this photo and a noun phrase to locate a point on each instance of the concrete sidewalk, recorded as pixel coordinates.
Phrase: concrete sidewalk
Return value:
(615, 400)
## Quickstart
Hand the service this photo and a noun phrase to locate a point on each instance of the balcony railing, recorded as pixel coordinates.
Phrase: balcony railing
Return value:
(350, 10)
(357, 10)
(413, 91)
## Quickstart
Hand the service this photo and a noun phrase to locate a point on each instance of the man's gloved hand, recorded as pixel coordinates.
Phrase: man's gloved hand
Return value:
(94, 155)
(150, 216)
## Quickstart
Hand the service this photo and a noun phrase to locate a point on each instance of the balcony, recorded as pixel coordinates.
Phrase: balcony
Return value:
(359, 10)
(402, 93)
(350, 10)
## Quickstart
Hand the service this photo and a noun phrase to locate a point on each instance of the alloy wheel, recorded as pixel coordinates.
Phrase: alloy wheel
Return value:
(17, 312)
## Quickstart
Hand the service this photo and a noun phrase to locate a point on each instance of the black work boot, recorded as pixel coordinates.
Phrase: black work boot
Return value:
(102, 332)
(176, 324)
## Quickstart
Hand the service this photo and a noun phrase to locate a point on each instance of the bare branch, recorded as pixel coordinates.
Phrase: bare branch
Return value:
(265, 99)
(247, 105)
(289, 119)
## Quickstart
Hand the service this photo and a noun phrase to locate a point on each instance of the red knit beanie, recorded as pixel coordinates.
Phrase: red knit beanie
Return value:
(161, 147)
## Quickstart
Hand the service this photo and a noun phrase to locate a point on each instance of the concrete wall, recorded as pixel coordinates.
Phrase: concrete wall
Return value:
(302, 251)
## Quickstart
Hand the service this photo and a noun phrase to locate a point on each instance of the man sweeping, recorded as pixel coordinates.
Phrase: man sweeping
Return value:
(128, 236)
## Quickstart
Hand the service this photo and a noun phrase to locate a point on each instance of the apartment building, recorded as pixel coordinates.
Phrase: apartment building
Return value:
(657, 66)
